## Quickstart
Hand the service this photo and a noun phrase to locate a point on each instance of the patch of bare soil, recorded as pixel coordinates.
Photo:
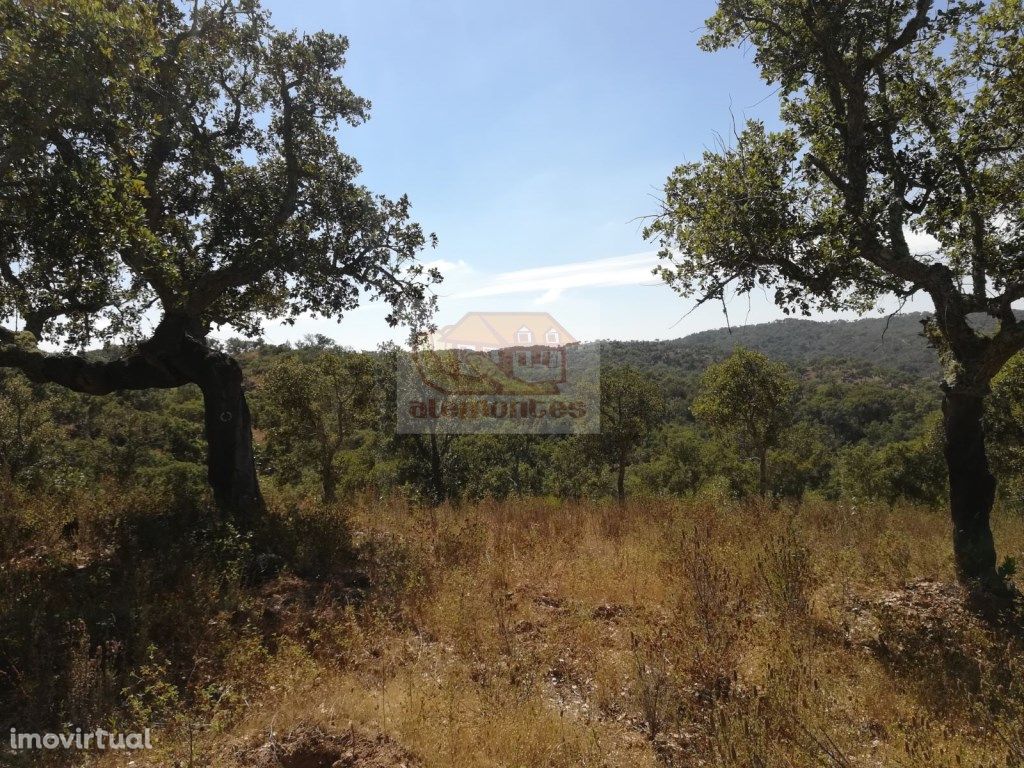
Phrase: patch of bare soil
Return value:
(941, 637)
(289, 606)
(309, 746)
(922, 610)
(926, 612)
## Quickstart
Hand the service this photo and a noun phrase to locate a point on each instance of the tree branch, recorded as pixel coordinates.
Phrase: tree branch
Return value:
(918, 22)
(822, 166)
(81, 375)
(37, 319)
(1002, 306)
(1008, 341)
(288, 149)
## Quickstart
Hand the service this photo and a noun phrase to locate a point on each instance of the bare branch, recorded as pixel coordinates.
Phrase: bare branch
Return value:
(918, 22)
(824, 167)
(81, 375)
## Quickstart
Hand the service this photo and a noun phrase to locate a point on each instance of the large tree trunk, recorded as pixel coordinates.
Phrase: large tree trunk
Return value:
(230, 463)
(972, 487)
(174, 356)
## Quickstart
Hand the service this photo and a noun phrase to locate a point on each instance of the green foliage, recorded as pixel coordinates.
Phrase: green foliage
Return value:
(312, 539)
(803, 460)
(182, 160)
(315, 412)
(631, 405)
(195, 163)
(154, 439)
(749, 398)
(739, 219)
(499, 466)
(870, 407)
(916, 97)
(909, 469)
(747, 395)
(574, 469)
(26, 428)
(71, 73)
(1004, 419)
(678, 461)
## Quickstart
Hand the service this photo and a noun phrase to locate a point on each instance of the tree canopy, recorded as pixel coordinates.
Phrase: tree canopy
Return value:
(631, 406)
(313, 409)
(169, 168)
(900, 118)
(750, 398)
(184, 160)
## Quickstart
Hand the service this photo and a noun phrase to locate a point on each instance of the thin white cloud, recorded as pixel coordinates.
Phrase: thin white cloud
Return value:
(549, 296)
(551, 282)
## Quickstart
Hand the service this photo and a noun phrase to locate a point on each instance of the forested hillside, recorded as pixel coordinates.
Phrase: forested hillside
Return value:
(858, 425)
(896, 343)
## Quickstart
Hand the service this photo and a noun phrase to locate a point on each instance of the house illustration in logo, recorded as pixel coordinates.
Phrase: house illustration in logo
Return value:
(486, 331)
(498, 353)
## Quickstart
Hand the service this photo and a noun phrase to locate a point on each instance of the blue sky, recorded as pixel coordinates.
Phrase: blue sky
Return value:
(531, 137)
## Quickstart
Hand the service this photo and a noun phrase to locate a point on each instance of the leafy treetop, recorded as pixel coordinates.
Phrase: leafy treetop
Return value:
(900, 117)
(185, 160)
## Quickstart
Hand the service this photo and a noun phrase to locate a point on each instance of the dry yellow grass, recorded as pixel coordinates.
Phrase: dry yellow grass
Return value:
(699, 632)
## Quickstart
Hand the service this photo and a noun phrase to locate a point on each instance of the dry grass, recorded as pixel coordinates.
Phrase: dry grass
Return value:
(703, 632)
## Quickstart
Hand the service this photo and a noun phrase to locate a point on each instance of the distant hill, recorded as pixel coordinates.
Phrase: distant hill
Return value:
(861, 348)
(895, 343)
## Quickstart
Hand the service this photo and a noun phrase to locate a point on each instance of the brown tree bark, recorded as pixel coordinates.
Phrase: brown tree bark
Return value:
(173, 357)
(328, 481)
(972, 487)
(231, 466)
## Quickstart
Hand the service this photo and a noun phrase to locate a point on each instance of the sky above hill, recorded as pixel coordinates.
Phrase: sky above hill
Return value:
(533, 137)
